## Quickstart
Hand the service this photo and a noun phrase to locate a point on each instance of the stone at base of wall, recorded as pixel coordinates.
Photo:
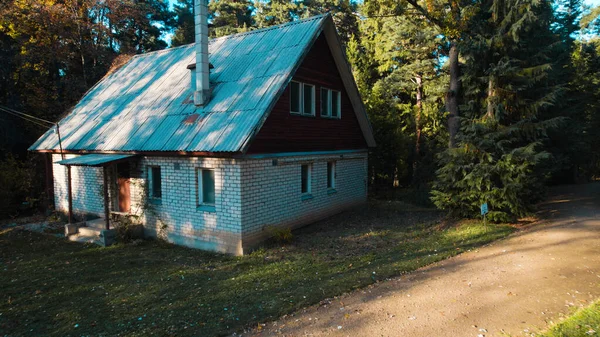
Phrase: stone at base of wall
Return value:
(226, 243)
(255, 240)
(107, 237)
(73, 228)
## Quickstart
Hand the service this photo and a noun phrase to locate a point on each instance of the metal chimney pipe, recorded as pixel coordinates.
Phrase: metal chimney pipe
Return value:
(202, 93)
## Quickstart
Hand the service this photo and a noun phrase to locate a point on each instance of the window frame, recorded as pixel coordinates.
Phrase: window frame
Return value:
(327, 104)
(313, 89)
(308, 191)
(301, 99)
(331, 174)
(151, 186)
(200, 198)
(339, 104)
(329, 112)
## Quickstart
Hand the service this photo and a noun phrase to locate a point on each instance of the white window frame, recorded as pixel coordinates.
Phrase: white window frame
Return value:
(302, 87)
(199, 187)
(308, 179)
(331, 175)
(300, 98)
(329, 112)
(151, 182)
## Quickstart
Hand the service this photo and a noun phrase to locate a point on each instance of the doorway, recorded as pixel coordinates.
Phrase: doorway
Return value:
(123, 190)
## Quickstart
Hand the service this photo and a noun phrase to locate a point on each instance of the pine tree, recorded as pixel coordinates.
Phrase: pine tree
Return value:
(397, 64)
(512, 81)
(230, 16)
(184, 23)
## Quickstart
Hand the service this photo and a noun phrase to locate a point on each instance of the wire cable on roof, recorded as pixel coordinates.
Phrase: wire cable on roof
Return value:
(24, 114)
(24, 118)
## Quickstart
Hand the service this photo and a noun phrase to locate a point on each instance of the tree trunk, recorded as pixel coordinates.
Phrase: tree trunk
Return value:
(418, 112)
(452, 95)
(490, 99)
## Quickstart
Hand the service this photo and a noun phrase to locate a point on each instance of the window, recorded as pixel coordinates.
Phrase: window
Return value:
(330, 103)
(302, 98)
(295, 94)
(309, 99)
(331, 175)
(336, 102)
(306, 173)
(154, 182)
(205, 187)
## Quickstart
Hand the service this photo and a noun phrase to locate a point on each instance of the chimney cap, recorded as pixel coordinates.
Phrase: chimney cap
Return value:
(193, 66)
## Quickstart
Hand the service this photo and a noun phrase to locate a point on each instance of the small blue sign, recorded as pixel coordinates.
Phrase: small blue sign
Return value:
(484, 209)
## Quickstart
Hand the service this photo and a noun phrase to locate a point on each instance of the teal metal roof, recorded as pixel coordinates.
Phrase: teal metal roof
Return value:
(93, 159)
(143, 105)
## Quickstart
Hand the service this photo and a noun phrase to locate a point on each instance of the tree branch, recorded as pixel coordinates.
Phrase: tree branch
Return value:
(426, 13)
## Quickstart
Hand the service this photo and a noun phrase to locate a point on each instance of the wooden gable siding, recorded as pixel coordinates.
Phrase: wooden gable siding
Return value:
(284, 132)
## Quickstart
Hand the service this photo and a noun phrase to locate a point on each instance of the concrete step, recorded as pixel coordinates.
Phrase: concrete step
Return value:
(89, 231)
(99, 224)
(92, 232)
(85, 239)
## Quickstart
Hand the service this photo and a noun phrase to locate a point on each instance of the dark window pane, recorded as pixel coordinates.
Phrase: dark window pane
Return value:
(156, 183)
(324, 102)
(208, 186)
(335, 103)
(308, 99)
(329, 175)
(304, 179)
(295, 97)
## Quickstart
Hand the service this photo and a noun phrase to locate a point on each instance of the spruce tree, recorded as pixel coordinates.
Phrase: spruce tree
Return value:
(511, 84)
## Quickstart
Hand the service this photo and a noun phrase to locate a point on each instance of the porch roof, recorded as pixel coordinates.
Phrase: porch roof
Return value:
(94, 159)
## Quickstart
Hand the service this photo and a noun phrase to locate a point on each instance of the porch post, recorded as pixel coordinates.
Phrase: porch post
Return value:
(49, 182)
(70, 193)
(106, 212)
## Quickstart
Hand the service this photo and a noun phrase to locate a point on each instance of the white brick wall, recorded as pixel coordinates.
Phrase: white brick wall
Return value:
(271, 194)
(177, 212)
(86, 186)
(249, 194)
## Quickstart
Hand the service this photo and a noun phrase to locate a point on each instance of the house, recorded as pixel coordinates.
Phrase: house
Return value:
(271, 132)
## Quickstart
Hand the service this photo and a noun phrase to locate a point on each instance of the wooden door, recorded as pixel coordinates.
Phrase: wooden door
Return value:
(123, 186)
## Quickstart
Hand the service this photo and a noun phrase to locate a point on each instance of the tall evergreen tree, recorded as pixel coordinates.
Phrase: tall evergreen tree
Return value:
(184, 23)
(398, 67)
(512, 81)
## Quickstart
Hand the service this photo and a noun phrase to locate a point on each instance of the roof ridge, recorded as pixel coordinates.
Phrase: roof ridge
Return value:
(256, 31)
(264, 29)
(166, 50)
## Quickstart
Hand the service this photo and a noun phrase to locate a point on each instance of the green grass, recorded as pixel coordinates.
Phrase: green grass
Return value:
(583, 323)
(53, 287)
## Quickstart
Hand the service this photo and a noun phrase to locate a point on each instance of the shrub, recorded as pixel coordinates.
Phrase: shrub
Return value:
(16, 179)
(280, 235)
(494, 165)
(128, 228)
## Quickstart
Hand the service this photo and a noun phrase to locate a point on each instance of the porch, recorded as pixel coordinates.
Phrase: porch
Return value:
(116, 196)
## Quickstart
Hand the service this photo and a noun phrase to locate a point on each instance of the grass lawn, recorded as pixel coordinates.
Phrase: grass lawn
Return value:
(583, 323)
(53, 287)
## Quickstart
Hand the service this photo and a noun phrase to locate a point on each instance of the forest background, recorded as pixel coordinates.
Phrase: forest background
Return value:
(471, 101)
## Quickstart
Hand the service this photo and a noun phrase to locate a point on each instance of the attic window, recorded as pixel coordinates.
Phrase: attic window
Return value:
(331, 103)
(302, 98)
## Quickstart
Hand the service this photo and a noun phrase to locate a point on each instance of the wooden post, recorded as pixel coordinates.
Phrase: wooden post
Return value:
(49, 204)
(70, 193)
(106, 211)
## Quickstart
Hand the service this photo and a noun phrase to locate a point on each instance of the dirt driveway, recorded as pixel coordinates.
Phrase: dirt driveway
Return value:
(515, 286)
